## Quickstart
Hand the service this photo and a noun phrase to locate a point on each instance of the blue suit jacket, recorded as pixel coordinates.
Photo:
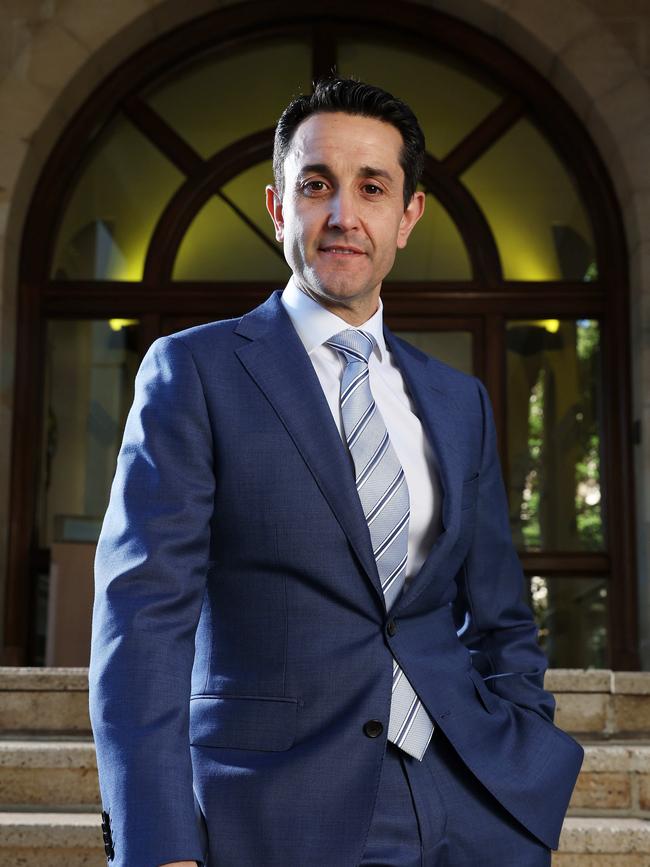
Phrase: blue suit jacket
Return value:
(239, 634)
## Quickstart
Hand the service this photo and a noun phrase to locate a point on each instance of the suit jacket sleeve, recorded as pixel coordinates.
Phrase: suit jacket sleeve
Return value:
(502, 634)
(150, 578)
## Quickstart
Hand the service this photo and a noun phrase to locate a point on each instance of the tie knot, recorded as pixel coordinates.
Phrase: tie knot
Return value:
(354, 345)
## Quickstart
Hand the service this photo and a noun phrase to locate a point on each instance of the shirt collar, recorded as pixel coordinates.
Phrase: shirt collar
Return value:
(315, 324)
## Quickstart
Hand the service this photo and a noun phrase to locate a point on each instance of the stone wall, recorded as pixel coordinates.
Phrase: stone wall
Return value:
(596, 53)
(629, 22)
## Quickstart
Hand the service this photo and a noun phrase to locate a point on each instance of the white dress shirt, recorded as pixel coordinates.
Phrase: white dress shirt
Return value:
(315, 325)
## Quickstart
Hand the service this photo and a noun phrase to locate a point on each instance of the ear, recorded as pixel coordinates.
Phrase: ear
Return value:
(274, 207)
(412, 214)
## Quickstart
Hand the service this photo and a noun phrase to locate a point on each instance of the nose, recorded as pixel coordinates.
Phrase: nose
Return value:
(343, 212)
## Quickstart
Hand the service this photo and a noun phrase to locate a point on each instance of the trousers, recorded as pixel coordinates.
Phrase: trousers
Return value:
(435, 813)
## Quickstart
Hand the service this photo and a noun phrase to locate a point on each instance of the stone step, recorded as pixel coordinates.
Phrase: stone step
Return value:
(48, 773)
(610, 842)
(51, 840)
(614, 781)
(44, 700)
(38, 772)
(599, 703)
(594, 703)
(74, 840)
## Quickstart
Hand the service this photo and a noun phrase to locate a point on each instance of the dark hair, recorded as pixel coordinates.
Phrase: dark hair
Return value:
(353, 97)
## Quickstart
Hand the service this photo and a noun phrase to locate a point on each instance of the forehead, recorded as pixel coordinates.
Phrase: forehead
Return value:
(353, 140)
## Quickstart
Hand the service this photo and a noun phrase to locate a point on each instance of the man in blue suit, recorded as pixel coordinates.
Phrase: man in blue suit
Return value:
(309, 645)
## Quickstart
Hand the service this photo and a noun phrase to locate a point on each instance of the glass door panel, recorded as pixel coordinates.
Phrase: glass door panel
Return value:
(455, 348)
(572, 616)
(89, 373)
(554, 402)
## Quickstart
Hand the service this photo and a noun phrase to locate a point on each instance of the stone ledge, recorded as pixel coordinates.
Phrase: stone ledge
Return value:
(560, 859)
(605, 835)
(50, 830)
(47, 754)
(631, 682)
(44, 711)
(83, 830)
(50, 679)
(613, 757)
(600, 757)
(591, 703)
(576, 680)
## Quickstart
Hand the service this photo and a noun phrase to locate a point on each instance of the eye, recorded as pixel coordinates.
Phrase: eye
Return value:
(311, 187)
(372, 189)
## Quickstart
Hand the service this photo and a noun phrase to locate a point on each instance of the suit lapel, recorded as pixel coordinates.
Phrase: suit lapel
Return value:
(276, 360)
(439, 416)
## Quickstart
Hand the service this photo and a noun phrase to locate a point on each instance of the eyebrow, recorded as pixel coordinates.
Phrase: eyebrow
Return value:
(324, 169)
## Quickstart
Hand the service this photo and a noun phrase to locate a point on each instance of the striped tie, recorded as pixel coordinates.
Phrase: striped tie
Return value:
(385, 500)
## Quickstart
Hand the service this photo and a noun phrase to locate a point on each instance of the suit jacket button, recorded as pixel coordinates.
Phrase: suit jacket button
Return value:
(373, 728)
(391, 627)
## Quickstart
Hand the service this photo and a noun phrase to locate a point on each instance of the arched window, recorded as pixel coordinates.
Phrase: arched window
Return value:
(149, 217)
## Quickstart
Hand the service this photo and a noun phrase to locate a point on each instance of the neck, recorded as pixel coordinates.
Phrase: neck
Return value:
(355, 312)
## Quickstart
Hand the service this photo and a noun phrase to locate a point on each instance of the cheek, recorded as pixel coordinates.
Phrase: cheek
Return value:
(303, 231)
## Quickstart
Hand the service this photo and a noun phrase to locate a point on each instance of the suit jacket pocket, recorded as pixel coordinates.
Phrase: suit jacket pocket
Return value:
(470, 490)
(488, 699)
(243, 722)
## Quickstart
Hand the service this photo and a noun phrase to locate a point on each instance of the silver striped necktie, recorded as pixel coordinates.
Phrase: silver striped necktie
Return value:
(385, 501)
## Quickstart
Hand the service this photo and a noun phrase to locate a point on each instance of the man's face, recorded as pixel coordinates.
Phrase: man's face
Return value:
(342, 218)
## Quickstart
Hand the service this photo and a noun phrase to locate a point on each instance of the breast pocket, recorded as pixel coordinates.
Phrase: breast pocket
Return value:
(470, 492)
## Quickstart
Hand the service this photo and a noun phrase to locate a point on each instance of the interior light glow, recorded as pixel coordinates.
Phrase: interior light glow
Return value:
(119, 324)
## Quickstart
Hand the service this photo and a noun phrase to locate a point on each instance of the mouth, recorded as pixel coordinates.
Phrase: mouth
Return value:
(341, 250)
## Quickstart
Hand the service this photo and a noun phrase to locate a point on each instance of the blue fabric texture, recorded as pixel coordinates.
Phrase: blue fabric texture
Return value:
(240, 634)
(437, 814)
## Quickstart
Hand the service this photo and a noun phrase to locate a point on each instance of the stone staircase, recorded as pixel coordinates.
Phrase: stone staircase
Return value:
(49, 799)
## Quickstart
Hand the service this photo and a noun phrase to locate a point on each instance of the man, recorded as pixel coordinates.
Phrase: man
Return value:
(301, 503)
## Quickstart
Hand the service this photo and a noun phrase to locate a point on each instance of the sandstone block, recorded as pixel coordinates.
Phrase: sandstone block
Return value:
(644, 792)
(597, 60)
(23, 105)
(44, 787)
(607, 835)
(636, 215)
(540, 31)
(640, 273)
(53, 57)
(50, 830)
(631, 713)
(583, 859)
(32, 857)
(586, 712)
(95, 23)
(32, 678)
(632, 682)
(606, 757)
(602, 791)
(578, 680)
(41, 773)
(44, 711)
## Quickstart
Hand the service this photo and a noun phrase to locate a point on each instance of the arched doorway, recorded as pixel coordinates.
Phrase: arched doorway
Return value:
(146, 220)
